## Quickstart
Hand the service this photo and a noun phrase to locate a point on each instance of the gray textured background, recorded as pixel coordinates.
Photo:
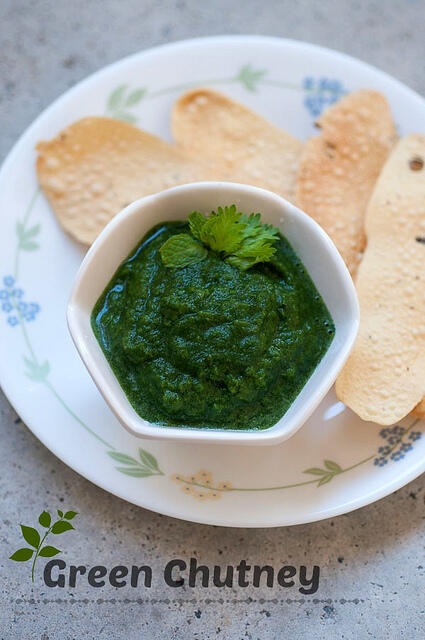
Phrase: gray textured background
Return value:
(372, 560)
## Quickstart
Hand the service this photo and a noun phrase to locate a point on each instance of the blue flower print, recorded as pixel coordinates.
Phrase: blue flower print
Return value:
(308, 84)
(392, 434)
(321, 93)
(384, 450)
(13, 305)
(381, 461)
(395, 449)
(397, 430)
(13, 321)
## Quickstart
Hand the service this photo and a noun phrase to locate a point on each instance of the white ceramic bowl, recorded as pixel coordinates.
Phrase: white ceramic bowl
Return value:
(312, 245)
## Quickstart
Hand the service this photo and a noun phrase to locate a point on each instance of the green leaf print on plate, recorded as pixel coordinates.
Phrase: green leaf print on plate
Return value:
(121, 100)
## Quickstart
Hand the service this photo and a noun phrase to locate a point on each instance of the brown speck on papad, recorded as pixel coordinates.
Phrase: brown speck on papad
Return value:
(384, 377)
(339, 168)
(96, 166)
(208, 124)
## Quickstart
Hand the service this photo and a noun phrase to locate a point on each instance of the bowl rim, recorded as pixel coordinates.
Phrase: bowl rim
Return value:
(99, 368)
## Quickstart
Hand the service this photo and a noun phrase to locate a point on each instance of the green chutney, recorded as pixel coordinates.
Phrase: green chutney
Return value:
(209, 345)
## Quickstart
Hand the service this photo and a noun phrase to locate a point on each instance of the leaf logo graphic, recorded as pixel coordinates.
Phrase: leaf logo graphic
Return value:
(36, 541)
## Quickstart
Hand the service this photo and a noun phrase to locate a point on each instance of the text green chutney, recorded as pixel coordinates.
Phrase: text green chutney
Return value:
(209, 345)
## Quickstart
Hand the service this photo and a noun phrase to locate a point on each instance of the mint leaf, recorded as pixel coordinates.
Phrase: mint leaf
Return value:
(182, 250)
(257, 229)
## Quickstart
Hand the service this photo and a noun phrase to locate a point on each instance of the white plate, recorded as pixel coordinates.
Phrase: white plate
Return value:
(336, 462)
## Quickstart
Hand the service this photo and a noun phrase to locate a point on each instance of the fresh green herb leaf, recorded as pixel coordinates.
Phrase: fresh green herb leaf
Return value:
(182, 250)
(252, 250)
(257, 244)
(196, 222)
(241, 240)
(223, 231)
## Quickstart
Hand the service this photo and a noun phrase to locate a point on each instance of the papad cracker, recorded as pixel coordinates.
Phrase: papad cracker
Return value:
(384, 377)
(339, 168)
(96, 166)
(208, 124)
(419, 410)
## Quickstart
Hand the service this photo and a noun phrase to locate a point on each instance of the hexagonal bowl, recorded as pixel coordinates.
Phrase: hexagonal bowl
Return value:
(311, 243)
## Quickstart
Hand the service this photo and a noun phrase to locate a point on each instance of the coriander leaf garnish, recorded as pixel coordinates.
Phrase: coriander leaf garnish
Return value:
(223, 231)
(256, 229)
(257, 244)
(196, 222)
(241, 240)
(252, 250)
(182, 250)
